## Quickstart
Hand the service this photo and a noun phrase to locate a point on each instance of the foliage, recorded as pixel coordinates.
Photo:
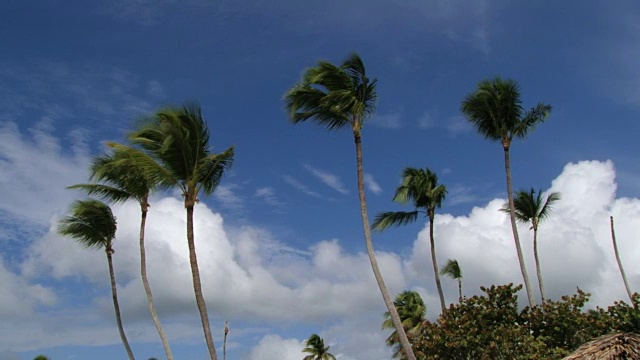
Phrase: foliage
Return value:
(491, 326)
(315, 347)
(40, 357)
(412, 311)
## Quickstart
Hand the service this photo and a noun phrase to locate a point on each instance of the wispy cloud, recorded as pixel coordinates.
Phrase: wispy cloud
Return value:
(228, 198)
(300, 186)
(386, 121)
(268, 195)
(453, 124)
(371, 184)
(459, 194)
(148, 12)
(329, 179)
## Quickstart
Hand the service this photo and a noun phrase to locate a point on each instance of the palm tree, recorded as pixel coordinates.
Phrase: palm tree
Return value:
(531, 209)
(40, 357)
(179, 139)
(495, 109)
(412, 311)
(121, 178)
(224, 344)
(93, 225)
(315, 347)
(615, 250)
(452, 269)
(420, 186)
(340, 97)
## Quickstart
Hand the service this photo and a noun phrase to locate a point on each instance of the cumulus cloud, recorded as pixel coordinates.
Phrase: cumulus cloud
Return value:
(273, 347)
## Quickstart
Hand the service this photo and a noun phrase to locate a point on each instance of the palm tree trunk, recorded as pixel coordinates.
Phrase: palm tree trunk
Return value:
(145, 283)
(514, 227)
(435, 264)
(195, 274)
(395, 318)
(224, 345)
(535, 255)
(116, 307)
(460, 290)
(615, 249)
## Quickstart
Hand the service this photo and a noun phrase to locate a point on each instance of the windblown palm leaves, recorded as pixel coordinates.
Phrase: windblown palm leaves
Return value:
(120, 177)
(421, 188)
(532, 208)
(316, 349)
(412, 312)
(452, 269)
(179, 139)
(495, 109)
(341, 97)
(93, 225)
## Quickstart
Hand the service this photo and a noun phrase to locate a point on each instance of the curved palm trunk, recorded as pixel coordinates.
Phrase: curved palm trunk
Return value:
(535, 255)
(615, 249)
(116, 307)
(145, 283)
(195, 274)
(516, 238)
(460, 290)
(435, 263)
(395, 318)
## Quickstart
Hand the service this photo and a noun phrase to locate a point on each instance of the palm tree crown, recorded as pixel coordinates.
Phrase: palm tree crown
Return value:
(315, 347)
(453, 270)
(334, 96)
(412, 311)
(91, 223)
(420, 186)
(530, 207)
(495, 109)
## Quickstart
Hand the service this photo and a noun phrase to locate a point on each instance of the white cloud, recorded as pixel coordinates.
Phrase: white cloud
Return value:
(329, 179)
(268, 195)
(371, 184)
(454, 124)
(299, 186)
(226, 195)
(273, 347)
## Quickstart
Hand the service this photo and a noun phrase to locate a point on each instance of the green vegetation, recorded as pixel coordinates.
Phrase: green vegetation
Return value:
(316, 349)
(453, 270)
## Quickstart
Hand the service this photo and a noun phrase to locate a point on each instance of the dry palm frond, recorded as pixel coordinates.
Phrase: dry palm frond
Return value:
(618, 346)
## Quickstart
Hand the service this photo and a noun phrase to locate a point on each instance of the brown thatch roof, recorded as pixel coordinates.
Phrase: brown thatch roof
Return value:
(619, 346)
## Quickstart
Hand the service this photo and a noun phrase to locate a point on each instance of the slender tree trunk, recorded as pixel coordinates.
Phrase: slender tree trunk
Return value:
(514, 227)
(116, 307)
(460, 290)
(624, 276)
(395, 318)
(535, 255)
(224, 345)
(195, 274)
(145, 282)
(435, 263)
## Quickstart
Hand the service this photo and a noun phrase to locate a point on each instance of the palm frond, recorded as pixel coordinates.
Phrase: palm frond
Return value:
(212, 168)
(452, 269)
(393, 218)
(105, 192)
(536, 115)
(90, 222)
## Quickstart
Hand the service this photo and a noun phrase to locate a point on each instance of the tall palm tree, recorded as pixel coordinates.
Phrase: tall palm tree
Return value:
(420, 186)
(93, 225)
(315, 347)
(412, 311)
(340, 97)
(179, 139)
(615, 250)
(530, 208)
(495, 109)
(452, 269)
(224, 343)
(121, 178)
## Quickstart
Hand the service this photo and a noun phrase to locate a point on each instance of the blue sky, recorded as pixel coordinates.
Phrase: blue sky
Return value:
(283, 230)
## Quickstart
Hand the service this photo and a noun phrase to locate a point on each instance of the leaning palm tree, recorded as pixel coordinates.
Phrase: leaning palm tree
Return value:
(93, 225)
(420, 186)
(120, 177)
(179, 139)
(452, 269)
(340, 97)
(315, 347)
(412, 311)
(495, 109)
(615, 250)
(530, 208)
